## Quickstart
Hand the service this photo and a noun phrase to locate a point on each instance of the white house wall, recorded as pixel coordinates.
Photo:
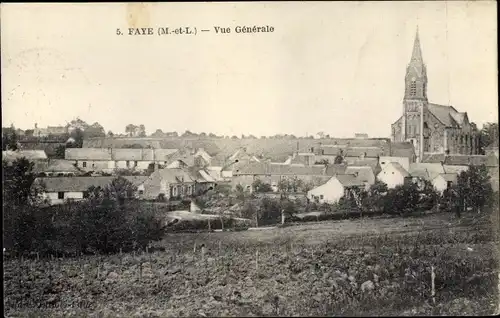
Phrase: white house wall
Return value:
(440, 184)
(332, 191)
(391, 177)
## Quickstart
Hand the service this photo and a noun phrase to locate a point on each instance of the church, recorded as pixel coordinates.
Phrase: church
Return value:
(431, 128)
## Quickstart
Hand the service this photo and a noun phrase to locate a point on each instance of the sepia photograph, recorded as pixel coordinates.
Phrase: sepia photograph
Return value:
(237, 159)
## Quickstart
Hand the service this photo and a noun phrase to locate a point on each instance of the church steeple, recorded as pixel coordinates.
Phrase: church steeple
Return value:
(416, 74)
(416, 56)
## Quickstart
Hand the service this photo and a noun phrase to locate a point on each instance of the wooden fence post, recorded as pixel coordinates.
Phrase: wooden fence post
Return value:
(433, 287)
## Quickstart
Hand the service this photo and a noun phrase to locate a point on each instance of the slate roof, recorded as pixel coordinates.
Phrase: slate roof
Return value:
(370, 162)
(258, 168)
(447, 115)
(427, 171)
(402, 149)
(433, 158)
(350, 151)
(335, 169)
(398, 167)
(364, 173)
(455, 169)
(179, 175)
(119, 154)
(80, 184)
(11, 155)
(449, 176)
(349, 180)
(474, 160)
(60, 165)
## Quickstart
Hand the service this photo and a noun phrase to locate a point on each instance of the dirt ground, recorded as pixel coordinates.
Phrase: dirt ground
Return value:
(375, 266)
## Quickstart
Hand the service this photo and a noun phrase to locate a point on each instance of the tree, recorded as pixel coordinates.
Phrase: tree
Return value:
(131, 129)
(18, 178)
(261, 187)
(402, 199)
(142, 130)
(339, 158)
(284, 185)
(158, 134)
(9, 139)
(110, 133)
(60, 152)
(325, 162)
(473, 188)
(77, 135)
(95, 130)
(120, 189)
(488, 136)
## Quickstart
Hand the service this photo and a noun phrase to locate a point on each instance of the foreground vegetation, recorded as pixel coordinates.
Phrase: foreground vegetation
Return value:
(290, 271)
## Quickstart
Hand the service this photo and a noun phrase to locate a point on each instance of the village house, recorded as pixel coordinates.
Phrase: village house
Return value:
(394, 174)
(109, 159)
(273, 174)
(403, 161)
(58, 168)
(165, 184)
(363, 173)
(444, 181)
(49, 131)
(335, 188)
(490, 161)
(58, 190)
(37, 157)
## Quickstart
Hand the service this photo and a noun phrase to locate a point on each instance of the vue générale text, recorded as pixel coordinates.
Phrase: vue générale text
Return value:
(190, 30)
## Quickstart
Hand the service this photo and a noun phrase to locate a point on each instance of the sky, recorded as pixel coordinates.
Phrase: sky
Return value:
(333, 67)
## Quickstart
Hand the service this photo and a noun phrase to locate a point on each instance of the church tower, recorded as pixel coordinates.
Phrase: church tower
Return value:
(415, 99)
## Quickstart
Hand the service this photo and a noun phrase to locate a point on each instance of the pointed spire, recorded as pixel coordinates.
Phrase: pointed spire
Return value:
(417, 52)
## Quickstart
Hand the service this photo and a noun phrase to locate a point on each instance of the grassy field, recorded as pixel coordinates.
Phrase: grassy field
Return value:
(376, 266)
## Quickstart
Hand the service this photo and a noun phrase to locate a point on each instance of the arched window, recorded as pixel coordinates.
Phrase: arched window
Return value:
(413, 88)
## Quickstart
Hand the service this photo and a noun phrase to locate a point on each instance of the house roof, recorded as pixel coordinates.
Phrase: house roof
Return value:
(178, 175)
(349, 180)
(119, 154)
(80, 184)
(455, 169)
(10, 155)
(258, 168)
(449, 176)
(60, 165)
(352, 151)
(364, 173)
(398, 167)
(474, 160)
(87, 154)
(335, 169)
(427, 171)
(433, 158)
(402, 149)
(370, 162)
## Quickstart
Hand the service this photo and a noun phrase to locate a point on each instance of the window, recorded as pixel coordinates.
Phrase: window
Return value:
(84, 164)
(141, 191)
(413, 88)
(135, 163)
(93, 165)
(321, 197)
(448, 184)
(60, 195)
(128, 164)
